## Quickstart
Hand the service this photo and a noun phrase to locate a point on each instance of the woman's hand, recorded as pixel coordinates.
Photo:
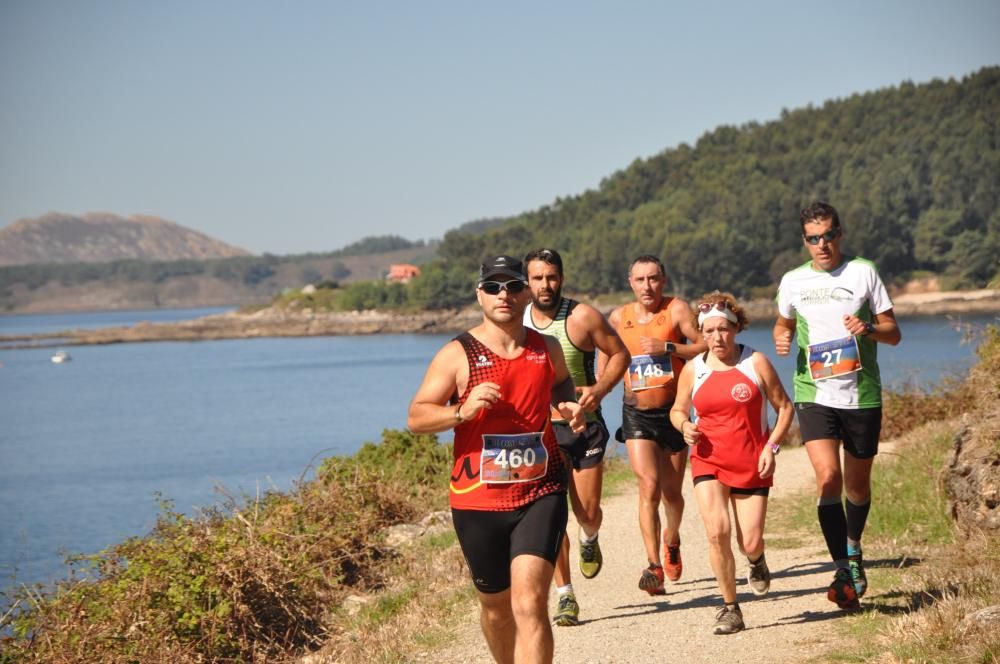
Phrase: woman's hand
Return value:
(690, 432)
(766, 462)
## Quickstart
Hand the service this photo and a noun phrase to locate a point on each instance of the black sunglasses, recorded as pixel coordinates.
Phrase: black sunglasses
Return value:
(829, 236)
(513, 287)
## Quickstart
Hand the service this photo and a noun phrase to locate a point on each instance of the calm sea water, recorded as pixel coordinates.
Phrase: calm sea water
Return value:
(86, 446)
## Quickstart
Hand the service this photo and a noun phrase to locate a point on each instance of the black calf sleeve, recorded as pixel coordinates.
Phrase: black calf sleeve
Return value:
(833, 523)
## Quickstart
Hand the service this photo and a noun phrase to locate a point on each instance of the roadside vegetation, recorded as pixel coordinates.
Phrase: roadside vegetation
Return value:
(252, 580)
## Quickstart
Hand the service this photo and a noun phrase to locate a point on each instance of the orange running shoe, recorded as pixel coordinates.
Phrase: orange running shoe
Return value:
(672, 564)
(842, 592)
(652, 580)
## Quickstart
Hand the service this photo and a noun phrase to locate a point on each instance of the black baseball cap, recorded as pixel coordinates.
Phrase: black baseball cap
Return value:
(501, 266)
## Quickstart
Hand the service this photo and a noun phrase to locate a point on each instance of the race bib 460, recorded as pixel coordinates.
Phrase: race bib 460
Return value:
(834, 358)
(507, 458)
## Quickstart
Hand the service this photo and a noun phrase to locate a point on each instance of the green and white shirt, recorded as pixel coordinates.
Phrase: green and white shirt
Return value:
(818, 301)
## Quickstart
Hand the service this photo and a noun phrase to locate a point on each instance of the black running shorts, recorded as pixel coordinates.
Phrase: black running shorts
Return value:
(585, 450)
(491, 540)
(859, 428)
(650, 424)
(734, 490)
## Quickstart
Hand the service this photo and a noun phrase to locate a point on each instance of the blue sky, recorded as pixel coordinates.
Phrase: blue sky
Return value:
(304, 126)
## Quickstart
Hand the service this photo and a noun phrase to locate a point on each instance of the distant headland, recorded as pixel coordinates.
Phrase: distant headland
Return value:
(277, 322)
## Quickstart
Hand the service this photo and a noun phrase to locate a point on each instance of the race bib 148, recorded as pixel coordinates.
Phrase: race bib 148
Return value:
(649, 371)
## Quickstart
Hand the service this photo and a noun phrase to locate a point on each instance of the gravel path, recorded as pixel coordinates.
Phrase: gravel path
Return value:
(622, 624)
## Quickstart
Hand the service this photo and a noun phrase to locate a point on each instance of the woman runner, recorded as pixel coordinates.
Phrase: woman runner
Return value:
(733, 449)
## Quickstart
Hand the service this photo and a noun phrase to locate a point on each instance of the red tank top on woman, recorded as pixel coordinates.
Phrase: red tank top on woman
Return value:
(732, 419)
(507, 456)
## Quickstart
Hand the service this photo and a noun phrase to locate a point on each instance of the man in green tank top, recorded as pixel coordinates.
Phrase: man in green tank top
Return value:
(581, 331)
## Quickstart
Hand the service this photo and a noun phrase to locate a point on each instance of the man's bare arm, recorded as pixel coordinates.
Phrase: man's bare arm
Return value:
(429, 412)
(681, 312)
(614, 320)
(609, 346)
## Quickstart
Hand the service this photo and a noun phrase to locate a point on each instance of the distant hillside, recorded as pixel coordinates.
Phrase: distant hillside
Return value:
(134, 284)
(105, 237)
(913, 171)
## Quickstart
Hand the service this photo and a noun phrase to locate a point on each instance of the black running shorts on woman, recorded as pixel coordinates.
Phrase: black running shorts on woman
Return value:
(491, 540)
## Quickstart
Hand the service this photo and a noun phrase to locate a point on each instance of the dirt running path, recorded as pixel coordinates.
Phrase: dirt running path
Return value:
(624, 625)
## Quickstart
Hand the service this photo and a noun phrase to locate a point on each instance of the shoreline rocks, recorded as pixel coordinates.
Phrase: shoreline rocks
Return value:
(271, 322)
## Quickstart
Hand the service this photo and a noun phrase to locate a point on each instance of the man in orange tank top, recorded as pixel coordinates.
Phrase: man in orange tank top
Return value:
(494, 385)
(660, 333)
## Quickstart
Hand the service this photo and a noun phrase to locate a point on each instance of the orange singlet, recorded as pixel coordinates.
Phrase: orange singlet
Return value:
(651, 377)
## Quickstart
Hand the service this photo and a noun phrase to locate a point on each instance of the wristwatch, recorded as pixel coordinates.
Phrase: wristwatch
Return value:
(669, 347)
(869, 328)
(458, 414)
(775, 448)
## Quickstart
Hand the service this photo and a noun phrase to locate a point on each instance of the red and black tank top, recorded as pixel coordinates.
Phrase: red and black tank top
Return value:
(507, 456)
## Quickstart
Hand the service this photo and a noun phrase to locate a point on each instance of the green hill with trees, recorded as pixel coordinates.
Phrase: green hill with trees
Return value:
(914, 171)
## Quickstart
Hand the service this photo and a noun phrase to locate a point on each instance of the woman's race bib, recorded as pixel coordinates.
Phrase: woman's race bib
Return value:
(647, 372)
(834, 358)
(518, 457)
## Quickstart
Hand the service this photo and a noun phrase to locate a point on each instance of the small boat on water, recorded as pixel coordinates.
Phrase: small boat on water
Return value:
(61, 356)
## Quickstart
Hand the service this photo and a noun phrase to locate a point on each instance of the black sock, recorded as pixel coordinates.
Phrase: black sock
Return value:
(833, 523)
(857, 516)
(759, 558)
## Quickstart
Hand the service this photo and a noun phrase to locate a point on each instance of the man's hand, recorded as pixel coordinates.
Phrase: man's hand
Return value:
(573, 414)
(853, 324)
(782, 342)
(652, 346)
(589, 398)
(481, 396)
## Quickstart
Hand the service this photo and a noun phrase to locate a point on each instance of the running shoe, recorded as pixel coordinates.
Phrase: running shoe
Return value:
(841, 591)
(652, 580)
(590, 559)
(759, 576)
(672, 564)
(857, 567)
(728, 621)
(567, 611)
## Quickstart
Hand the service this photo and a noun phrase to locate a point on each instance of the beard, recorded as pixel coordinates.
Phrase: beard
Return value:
(551, 306)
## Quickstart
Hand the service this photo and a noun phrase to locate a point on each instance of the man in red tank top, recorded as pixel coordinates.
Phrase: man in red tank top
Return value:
(656, 330)
(494, 385)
